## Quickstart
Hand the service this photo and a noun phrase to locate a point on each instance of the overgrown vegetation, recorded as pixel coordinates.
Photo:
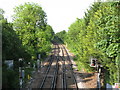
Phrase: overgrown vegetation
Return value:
(31, 26)
(28, 35)
(98, 35)
(60, 37)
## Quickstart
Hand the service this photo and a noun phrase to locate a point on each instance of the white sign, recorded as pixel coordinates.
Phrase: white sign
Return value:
(9, 63)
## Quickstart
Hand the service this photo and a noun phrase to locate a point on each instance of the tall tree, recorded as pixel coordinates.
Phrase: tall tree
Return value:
(98, 35)
(30, 23)
(12, 49)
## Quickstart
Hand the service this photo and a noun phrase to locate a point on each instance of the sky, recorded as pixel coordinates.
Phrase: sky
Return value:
(60, 13)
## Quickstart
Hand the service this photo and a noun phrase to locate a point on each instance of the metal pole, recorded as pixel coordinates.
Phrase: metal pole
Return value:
(21, 77)
(98, 77)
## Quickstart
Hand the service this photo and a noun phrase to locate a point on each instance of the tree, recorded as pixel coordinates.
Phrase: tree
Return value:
(30, 24)
(12, 49)
(97, 35)
(61, 35)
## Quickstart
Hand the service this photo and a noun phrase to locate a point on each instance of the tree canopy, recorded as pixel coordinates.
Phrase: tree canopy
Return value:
(31, 26)
(28, 35)
(97, 35)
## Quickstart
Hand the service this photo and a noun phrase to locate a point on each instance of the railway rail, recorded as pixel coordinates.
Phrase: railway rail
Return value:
(69, 78)
(64, 83)
(59, 72)
(50, 77)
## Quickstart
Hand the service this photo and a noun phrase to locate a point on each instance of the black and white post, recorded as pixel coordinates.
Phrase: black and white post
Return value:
(38, 62)
(20, 72)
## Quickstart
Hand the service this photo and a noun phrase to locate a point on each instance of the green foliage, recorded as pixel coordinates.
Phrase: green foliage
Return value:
(31, 26)
(11, 44)
(61, 36)
(10, 78)
(12, 49)
(97, 35)
(28, 35)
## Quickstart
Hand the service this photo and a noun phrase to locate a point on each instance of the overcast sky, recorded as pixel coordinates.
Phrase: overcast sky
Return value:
(60, 13)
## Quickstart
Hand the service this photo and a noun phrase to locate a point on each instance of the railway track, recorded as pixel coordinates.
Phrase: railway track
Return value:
(50, 78)
(58, 74)
(69, 77)
(64, 83)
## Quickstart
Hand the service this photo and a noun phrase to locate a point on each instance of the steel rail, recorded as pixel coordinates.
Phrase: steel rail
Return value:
(71, 69)
(54, 81)
(64, 83)
(55, 74)
(46, 73)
